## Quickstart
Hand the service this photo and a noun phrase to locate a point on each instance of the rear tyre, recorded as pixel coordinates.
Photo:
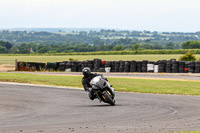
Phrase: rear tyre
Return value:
(109, 99)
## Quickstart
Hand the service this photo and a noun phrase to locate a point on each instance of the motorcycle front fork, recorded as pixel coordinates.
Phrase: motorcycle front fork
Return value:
(98, 97)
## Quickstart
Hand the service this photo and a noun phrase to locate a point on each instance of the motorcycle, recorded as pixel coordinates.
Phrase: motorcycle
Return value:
(103, 90)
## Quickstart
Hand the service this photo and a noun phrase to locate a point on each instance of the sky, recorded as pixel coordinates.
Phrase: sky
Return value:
(153, 15)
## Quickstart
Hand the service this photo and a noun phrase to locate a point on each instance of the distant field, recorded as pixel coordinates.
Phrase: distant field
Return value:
(91, 57)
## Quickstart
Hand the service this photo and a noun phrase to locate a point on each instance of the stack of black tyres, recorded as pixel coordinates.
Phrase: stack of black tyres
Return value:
(57, 65)
(84, 64)
(62, 66)
(102, 68)
(162, 65)
(74, 66)
(127, 66)
(117, 65)
(102, 65)
(121, 67)
(186, 67)
(108, 64)
(51, 66)
(197, 67)
(175, 66)
(68, 65)
(40, 66)
(90, 64)
(97, 65)
(139, 66)
(133, 66)
(191, 67)
(144, 65)
(112, 65)
(181, 66)
(80, 66)
(169, 66)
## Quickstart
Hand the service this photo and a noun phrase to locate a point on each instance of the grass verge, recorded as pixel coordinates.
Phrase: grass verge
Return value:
(188, 132)
(120, 84)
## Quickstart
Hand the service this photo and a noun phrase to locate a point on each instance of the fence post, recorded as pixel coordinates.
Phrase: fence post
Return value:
(16, 65)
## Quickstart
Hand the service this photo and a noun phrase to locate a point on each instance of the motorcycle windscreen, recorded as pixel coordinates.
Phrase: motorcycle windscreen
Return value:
(95, 80)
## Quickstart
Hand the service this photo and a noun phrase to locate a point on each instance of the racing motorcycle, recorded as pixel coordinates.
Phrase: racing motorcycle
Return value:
(103, 90)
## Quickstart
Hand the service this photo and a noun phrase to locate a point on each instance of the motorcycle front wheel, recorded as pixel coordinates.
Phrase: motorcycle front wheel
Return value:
(109, 99)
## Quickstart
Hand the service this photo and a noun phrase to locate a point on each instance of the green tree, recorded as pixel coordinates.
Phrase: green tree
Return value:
(14, 49)
(24, 48)
(118, 48)
(170, 45)
(136, 47)
(3, 49)
(7, 45)
(43, 49)
(191, 45)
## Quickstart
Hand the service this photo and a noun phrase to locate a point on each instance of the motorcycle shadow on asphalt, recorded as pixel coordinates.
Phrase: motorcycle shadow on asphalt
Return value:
(101, 105)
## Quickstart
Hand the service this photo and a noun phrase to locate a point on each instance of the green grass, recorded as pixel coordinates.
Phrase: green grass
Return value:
(91, 57)
(120, 84)
(188, 132)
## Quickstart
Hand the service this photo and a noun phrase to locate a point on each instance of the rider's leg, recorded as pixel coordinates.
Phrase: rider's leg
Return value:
(91, 95)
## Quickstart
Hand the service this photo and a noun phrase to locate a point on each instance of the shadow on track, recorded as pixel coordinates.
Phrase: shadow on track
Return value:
(100, 105)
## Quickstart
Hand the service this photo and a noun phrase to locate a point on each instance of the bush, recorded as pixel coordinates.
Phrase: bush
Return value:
(71, 59)
(189, 56)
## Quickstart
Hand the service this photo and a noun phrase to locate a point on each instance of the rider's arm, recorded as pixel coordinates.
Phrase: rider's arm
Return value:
(103, 77)
(85, 85)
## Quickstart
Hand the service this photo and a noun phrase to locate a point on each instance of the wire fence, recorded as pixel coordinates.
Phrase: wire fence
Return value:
(8, 65)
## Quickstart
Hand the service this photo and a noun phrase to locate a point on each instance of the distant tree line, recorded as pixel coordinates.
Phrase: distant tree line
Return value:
(101, 37)
(24, 42)
(26, 48)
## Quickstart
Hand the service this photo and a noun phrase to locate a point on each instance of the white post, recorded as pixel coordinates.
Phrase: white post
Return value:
(16, 65)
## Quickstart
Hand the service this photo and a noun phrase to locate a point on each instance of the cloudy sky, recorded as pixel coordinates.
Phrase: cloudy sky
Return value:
(153, 15)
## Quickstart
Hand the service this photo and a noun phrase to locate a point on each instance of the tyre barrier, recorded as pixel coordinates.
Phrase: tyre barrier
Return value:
(97, 65)
(197, 67)
(31, 66)
(150, 66)
(133, 66)
(144, 65)
(155, 68)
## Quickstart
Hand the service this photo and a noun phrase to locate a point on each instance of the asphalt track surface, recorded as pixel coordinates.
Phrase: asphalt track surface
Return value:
(33, 109)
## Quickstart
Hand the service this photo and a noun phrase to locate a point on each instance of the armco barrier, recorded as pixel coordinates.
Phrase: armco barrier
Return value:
(97, 65)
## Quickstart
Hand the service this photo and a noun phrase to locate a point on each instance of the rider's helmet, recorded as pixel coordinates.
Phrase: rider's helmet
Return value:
(86, 71)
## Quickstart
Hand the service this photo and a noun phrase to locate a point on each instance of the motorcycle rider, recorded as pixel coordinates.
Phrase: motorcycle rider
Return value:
(88, 76)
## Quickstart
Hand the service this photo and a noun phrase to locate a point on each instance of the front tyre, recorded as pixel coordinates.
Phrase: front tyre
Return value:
(109, 99)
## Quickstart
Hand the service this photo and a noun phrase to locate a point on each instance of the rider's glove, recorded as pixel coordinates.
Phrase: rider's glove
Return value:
(104, 78)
